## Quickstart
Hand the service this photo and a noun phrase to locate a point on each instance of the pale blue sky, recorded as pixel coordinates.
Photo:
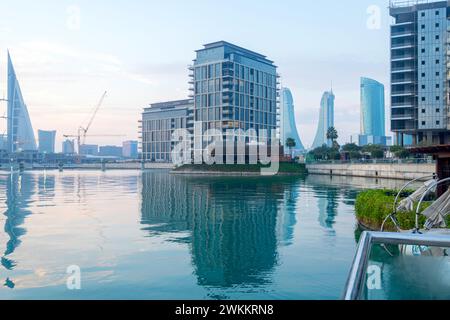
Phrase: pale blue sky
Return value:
(139, 51)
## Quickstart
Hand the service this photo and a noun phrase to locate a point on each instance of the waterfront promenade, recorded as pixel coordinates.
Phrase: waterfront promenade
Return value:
(385, 170)
(91, 166)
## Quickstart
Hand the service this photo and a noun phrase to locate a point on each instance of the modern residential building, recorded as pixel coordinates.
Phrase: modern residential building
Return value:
(110, 151)
(326, 120)
(419, 72)
(89, 150)
(288, 127)
(233, 88)
(130, 149)
(19, 129)
(373, 118)
(68, 147)
(158, 124)
(46, 141)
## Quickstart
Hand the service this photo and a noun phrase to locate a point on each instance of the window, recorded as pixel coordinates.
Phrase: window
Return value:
(423, 14)
(423, 75)
(423, 26)
(423, 86)
(423, 62)
(423, 38)
(437, 25)
(423, 50)
(437, 37)
(438, 98)
(437, 49)
(437, 74)
(437, 85)
(423, 99)
(438, 123)
(423, 123)
(438, 110)
(423, 110)
(437, 13)
(437, 61)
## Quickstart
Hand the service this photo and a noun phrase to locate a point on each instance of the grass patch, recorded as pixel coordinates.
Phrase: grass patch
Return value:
(373, 206)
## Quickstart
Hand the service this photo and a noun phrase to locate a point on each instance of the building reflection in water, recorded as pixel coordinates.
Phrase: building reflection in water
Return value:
(232, 234)
(19, 189)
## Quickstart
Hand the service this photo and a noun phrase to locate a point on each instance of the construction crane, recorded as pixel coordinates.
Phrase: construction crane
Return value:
(82, 131)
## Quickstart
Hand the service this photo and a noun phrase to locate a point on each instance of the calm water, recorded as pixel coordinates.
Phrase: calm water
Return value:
(156, 236)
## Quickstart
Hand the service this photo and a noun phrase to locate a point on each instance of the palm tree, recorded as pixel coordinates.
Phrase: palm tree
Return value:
(290, 143)
(332, 134)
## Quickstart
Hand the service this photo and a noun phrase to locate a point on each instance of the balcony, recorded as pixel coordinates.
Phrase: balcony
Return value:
(405, 45)
(403, 81)
(402, 93)
(402, 106)
(403, 57)
(402, 34)
(403, 69)
(406, 116)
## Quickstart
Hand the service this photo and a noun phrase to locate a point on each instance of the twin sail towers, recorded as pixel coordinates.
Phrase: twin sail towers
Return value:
(20, 134)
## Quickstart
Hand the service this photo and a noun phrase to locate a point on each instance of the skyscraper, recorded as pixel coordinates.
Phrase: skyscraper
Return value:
(46, 141)
(373, 128)
(20, 132)
(372, 108)
(68, 147)
(419, 67)
(288, 127)
(234, 88)
(130, 149)
(326, 120)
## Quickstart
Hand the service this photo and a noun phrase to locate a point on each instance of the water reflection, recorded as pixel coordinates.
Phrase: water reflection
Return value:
(133, 233)
(233, 226)
(18, 190)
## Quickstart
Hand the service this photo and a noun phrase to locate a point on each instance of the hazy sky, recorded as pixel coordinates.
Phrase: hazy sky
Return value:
(67, 53)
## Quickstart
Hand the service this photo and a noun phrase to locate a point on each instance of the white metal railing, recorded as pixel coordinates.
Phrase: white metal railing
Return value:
(356, 280)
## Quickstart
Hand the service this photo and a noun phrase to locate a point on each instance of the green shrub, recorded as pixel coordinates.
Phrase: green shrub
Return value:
(373, 206)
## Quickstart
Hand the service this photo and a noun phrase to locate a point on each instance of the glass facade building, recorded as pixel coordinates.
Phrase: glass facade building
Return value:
(373, 115)
(288, 127)
(46, 141)
(19, 129)
(372, 108)
(158, 124)
(233, 88)
(326, 120)
(419, 72)
(68, 147)
(130, 149)
(89, 149)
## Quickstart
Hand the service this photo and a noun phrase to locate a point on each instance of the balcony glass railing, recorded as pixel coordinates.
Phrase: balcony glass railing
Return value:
(399, 266)
(406, 33)
(403, 57)
(402, 45)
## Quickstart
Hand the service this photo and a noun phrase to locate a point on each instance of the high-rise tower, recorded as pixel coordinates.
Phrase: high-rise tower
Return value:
(288, 127)
(419, 67)
(326, 120)
(20, 132)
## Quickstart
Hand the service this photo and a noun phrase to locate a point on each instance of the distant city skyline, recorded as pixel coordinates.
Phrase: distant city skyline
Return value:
(67, 60)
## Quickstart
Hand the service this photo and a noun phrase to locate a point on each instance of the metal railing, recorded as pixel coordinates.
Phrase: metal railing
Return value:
(356, 280)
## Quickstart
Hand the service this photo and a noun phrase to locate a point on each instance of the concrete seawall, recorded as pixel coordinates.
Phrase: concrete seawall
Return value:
(93, 166)
(401, 171)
